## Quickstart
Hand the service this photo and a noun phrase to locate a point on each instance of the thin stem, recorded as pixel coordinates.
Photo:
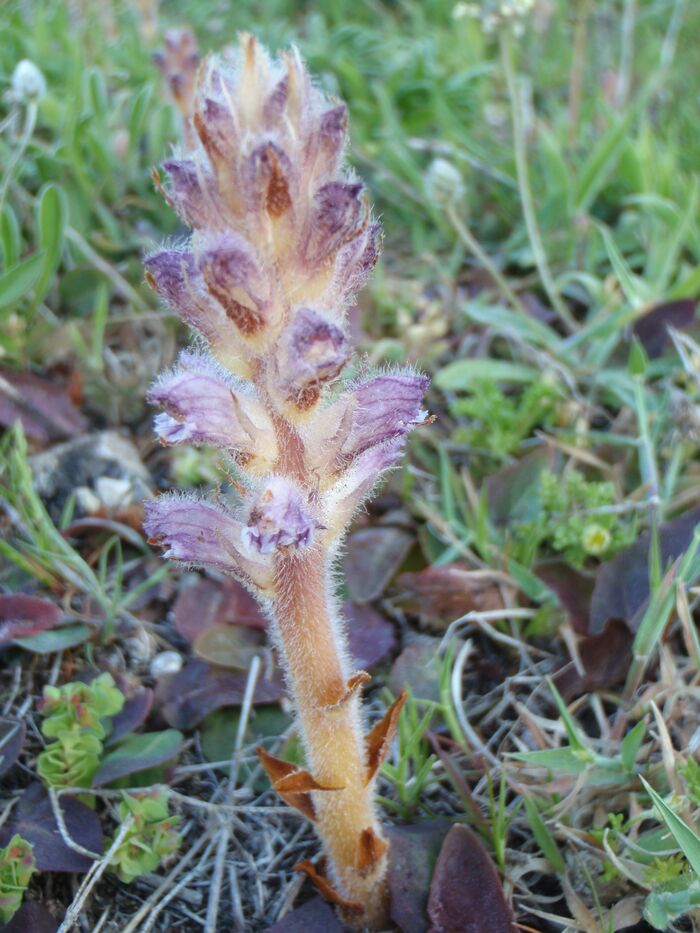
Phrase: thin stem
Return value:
(473, 245)
(577, 64)
(524, 188)
(27, 133)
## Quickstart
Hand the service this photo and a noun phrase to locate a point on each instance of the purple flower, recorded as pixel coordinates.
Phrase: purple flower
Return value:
(337, 217)
(355, 261)
(232, 276)
(312, 352)
(216, 129)
(384, 408)
(194, 532)
(205, 405)
(326, 141)
(172, 273)
(279, 518)
(276, 103)
(191, 192)
(343, 499)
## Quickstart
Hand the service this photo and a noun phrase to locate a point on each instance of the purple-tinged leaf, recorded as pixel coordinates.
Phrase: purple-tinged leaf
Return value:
(33, 818)
(418, 667)
(622, 584)
(466, 894)
(652, 329)
(372, 558)
(231, 646)
(44, 408)
(12, 733)
(31, 918)
(412, 856)
(214, 602)
(313, 917)
(443, 594)
(139, 753)
(21, 616)
(133, 714)
(572, 588)
(58, 639)
(511, 491)
(186, 697)
(371, 637)
(605, 659)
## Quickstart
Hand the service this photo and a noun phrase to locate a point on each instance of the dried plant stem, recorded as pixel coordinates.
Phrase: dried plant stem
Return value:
(330, 721)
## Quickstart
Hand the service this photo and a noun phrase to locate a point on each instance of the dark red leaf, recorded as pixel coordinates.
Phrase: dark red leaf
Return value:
(22, 615)
(214, 602)
(573, 589)
(137, 753)
(42, 406)
(133, 714)
(371, 636)
(313, 917)
(412, 856)
(186, 697)
(605, 659)
(652, 329)
(12, 733)
(443, 594)
(622, 584)
(372, 557)
(34, 820)
(31, 918)
(466, 894)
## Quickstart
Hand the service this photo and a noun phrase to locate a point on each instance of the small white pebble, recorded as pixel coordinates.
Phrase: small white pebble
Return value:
(113, 492)
(86, 500)
(167, 662)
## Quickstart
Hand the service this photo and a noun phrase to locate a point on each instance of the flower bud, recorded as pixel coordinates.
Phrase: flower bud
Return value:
(337, 217)
(232, 276)
(267, 177)
(312, 352)
(444, 183)
(205, 405)
(193, 531)
(191, 192)
(173, 274)
(28, 82)
(279, 518)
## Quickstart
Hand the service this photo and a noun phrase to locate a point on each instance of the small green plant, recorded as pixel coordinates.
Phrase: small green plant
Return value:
(414, 764)
(577, 519)
(74, 717)
(150, 838)
(501, 421)
(17, 866)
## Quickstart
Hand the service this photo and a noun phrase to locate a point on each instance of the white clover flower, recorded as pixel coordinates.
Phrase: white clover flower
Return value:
(28, 82)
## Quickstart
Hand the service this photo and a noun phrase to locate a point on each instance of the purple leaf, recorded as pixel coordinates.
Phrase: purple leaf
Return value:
(474, 903)
(652, 329)
(443, 594)
(12, 733)
(412, 856)
(622, 584)
(418, 667)
(34, 820)
(133, 714)
(31, 916)
(139, 753)
(605, 659)
(573, 590)
(372, 558)
(44, 408)
(22, 615)
(186, 697)
(214, 602)
(371, 637)
(313, 917)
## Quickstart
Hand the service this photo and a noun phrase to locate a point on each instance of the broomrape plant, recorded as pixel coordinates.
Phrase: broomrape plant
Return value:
(282, 239)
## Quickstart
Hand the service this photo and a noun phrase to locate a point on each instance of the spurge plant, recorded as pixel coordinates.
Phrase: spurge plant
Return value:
(282, 239)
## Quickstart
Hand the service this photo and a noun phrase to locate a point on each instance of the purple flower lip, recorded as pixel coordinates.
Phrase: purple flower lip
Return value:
(279, 519)
(313, 351)
(232, 276)
(205, 405)
(385, 407)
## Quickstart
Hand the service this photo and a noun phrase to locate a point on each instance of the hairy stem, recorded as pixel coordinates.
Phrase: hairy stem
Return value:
(330, 722)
